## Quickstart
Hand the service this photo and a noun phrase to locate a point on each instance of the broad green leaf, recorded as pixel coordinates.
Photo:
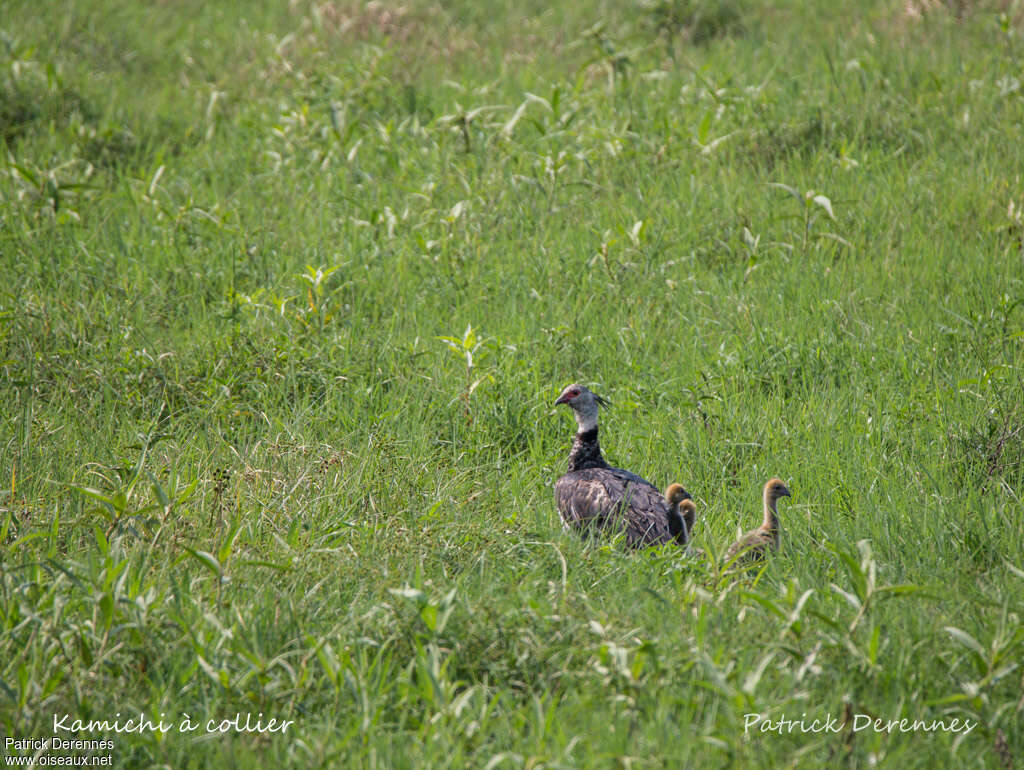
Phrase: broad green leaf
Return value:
(851, 598)
(208, 560)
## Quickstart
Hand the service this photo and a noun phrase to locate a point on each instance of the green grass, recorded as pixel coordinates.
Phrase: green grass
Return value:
(249, 467)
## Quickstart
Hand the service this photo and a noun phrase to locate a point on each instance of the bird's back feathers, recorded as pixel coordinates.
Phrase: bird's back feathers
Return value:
(614, 500)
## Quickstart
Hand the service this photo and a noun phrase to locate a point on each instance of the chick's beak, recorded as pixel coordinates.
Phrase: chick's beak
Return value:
(562, 399)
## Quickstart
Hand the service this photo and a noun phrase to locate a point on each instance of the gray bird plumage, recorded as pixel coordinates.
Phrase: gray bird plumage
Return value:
(593, 497)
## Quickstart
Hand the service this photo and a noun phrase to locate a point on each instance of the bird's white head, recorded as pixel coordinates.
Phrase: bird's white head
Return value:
(584, 404)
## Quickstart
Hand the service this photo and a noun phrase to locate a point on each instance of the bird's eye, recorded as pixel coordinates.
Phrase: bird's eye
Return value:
(573, 393)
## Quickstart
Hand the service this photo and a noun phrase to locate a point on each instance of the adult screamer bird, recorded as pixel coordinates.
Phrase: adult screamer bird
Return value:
(756, 543)
(593, 496)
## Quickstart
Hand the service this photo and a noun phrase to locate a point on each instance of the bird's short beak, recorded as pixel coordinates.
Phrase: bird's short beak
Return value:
(563, 399)
(785, 492)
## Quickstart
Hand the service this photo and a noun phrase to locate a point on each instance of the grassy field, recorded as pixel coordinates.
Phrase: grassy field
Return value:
(289, 290)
